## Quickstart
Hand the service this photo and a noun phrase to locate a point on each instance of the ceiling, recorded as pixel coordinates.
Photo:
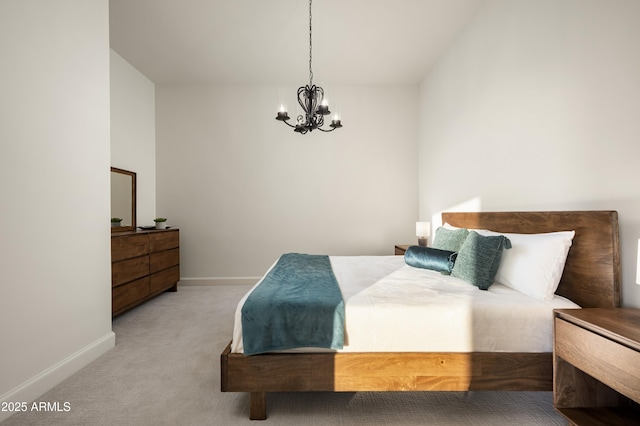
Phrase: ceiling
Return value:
(363, 42)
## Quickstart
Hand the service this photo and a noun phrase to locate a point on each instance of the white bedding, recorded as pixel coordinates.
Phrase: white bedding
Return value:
(393, 307)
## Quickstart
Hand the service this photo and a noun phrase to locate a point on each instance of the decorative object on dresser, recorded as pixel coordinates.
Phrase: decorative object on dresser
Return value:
(143, 264)
(423, 232)
(596, 357)
(161, 222)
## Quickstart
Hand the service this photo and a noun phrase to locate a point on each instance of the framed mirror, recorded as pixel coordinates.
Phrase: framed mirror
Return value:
(123, 200)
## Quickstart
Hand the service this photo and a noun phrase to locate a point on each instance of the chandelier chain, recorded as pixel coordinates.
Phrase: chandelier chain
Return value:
(310, 48)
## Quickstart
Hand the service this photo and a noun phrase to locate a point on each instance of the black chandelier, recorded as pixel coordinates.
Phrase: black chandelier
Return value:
(311, 99)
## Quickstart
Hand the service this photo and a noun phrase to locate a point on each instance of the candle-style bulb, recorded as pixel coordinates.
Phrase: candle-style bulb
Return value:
(282, 113)
(335, 123)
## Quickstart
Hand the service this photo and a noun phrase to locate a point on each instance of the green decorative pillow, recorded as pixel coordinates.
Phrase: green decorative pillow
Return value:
(449, 239)
(479, 259)
(430, 258)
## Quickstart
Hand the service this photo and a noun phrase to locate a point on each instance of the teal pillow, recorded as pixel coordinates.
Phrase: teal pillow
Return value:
(479, 259)
(430, 258)
(449, 239)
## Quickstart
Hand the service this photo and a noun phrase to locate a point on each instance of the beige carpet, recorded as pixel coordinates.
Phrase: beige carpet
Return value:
(165, 370)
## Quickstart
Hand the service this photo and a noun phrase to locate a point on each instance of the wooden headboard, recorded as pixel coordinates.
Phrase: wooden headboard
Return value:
(591, 275)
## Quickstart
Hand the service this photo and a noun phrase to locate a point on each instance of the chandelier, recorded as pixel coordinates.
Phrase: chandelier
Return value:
(314, 104)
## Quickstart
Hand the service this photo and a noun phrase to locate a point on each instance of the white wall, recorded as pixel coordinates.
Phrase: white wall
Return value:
(133, 133)
(55, 303)
(244, 188)
(537, 107)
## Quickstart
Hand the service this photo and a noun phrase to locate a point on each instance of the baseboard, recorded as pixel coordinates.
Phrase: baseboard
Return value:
(52, 376)
(219, 281)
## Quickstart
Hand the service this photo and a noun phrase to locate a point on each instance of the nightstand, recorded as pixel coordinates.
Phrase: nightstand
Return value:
(401, 249)
(596, 365)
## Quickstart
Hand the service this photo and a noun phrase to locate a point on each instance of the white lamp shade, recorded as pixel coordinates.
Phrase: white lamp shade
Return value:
(423, 229)
(638, 267)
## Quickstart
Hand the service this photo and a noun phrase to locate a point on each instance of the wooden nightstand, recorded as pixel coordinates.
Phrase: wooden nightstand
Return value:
(596, 365)
(401, 249)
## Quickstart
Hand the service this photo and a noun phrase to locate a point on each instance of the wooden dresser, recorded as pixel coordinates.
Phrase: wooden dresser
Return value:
(143, 264)
(596, 374)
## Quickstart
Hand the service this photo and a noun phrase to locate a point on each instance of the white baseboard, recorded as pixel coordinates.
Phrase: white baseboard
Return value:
(52, 376)
(219, 281)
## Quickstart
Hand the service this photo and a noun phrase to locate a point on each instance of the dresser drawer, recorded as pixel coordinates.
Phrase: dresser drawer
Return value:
(164, 240)
(164, 279)
(611, 363)
(127, 246)
(129, 293)
(129, 270)
(164, 259)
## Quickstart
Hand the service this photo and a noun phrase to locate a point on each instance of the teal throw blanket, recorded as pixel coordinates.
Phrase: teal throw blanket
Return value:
(297, 304)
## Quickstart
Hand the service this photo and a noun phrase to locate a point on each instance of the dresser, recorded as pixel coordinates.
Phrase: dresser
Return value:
(596, 374)
(143, 265)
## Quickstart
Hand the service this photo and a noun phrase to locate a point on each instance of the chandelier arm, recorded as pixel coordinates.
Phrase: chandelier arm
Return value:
(325, 130)
(301, 96)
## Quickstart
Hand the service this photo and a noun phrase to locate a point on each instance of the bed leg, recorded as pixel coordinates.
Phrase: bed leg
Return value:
(258, 406)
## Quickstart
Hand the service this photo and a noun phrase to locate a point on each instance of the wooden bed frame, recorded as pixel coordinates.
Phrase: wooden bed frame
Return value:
(591, 279)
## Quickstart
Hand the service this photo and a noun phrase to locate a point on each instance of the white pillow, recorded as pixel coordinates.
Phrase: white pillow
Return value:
(535, 262)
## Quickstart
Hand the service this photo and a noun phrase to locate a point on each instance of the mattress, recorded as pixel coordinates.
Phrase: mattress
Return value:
(393, 307)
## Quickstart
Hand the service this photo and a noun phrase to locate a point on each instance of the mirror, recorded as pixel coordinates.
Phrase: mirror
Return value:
(123, 200)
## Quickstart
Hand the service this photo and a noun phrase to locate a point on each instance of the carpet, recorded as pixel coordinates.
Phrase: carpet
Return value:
(165, 370)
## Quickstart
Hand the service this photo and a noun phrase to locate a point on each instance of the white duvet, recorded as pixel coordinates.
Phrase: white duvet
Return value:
(393, 307)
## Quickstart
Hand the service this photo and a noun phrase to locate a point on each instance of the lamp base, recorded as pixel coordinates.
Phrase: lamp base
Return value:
(422, 242)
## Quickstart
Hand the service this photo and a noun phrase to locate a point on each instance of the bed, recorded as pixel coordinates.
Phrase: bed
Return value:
(591, 278)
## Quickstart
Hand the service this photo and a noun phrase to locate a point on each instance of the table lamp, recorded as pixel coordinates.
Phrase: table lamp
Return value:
(423, 232)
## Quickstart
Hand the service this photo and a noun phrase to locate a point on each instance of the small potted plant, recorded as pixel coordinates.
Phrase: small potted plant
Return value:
(115, 222)
(161, 222)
